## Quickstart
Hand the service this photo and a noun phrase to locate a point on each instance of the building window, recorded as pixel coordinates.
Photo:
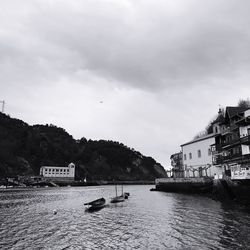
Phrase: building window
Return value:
(185, 157)
(190, 156)
(199, 153)
(209, 151)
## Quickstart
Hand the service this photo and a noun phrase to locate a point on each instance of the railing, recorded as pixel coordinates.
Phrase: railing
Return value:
(217, 150)
(231, 157)
(245, 140)
(239, 140)
(230, 129)
(220, 159)
(233, 126)
(232, 142)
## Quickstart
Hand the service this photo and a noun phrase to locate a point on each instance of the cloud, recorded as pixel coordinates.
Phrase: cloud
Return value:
(138, 44)
(160, 68)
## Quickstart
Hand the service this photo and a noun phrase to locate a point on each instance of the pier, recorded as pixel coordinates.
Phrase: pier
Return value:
(185, 185)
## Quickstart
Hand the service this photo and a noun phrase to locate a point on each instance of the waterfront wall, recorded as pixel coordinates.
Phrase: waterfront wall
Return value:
(220, 189)
(185, 185)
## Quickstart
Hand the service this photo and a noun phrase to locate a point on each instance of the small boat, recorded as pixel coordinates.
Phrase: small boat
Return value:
(96, 204)
(117, 198)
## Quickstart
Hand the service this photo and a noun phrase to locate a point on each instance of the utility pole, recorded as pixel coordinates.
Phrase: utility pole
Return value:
(3, 104)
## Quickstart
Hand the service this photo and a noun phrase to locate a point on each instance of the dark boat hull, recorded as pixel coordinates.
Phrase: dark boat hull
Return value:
(95, 208)
(96, 204)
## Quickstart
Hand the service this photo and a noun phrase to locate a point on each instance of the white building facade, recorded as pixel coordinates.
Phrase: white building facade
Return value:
(58, 173)
(197, 158)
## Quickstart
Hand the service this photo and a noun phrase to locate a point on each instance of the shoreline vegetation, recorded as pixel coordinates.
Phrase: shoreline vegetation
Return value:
(25, 148)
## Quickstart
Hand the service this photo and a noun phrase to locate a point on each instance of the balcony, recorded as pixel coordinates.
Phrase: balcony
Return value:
(245, 140)
(232, 157)
(231, 143)
(226, 131)
(220, 159)
(244, 121)
(239, 158)
(231, 129)
(234, 126)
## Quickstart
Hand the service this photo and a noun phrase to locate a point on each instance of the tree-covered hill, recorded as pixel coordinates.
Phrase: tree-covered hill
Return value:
(24, 149)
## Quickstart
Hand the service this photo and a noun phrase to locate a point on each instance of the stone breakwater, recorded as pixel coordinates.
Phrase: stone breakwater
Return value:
(222, 189)
(185, 185)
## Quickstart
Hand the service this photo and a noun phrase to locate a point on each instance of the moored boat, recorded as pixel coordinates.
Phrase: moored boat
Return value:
(117, 198)
(96, 204)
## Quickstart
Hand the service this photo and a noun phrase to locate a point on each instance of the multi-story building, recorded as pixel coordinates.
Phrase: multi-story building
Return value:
(231, 149)
(58, 173)
(224, 151)
(177, 165)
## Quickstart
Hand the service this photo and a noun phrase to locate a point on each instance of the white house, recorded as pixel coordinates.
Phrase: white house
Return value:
(58, 173)
(197, 157)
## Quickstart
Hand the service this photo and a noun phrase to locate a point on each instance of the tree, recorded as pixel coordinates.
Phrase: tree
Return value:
(244, 103)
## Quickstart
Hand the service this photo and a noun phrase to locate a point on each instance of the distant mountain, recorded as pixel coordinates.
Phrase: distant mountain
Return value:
(24, 149)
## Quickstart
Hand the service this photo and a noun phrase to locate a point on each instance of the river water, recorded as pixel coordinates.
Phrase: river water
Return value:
(147, 220)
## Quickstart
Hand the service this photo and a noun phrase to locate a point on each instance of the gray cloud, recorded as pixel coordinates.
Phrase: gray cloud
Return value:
(149, 61)
(142, 44)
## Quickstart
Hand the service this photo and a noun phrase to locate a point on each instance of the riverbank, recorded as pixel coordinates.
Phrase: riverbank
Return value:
(56, 183)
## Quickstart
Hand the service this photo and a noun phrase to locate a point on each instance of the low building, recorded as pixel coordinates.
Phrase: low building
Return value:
(58, 173)
(197, 157)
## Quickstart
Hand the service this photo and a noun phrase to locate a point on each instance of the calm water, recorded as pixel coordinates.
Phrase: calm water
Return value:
(147, 220)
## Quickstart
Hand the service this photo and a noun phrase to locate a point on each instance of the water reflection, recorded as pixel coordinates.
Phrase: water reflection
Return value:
(147, 220)
(235, 229)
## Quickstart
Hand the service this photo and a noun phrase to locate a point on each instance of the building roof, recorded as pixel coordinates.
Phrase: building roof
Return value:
(232, 111)
(71, 164)
(179, 154)
(53, 167)
(220, 118)
(199, 139)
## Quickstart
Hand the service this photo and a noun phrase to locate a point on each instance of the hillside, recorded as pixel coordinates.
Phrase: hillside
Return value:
(24, 149)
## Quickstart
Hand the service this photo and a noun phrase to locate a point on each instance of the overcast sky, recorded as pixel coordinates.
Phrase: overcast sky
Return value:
(150, 74)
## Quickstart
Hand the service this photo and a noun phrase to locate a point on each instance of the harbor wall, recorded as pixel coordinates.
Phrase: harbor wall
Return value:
(219, 189)
(185, 185)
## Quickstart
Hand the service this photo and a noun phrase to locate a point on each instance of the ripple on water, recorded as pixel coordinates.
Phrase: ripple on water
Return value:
(147, 220)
